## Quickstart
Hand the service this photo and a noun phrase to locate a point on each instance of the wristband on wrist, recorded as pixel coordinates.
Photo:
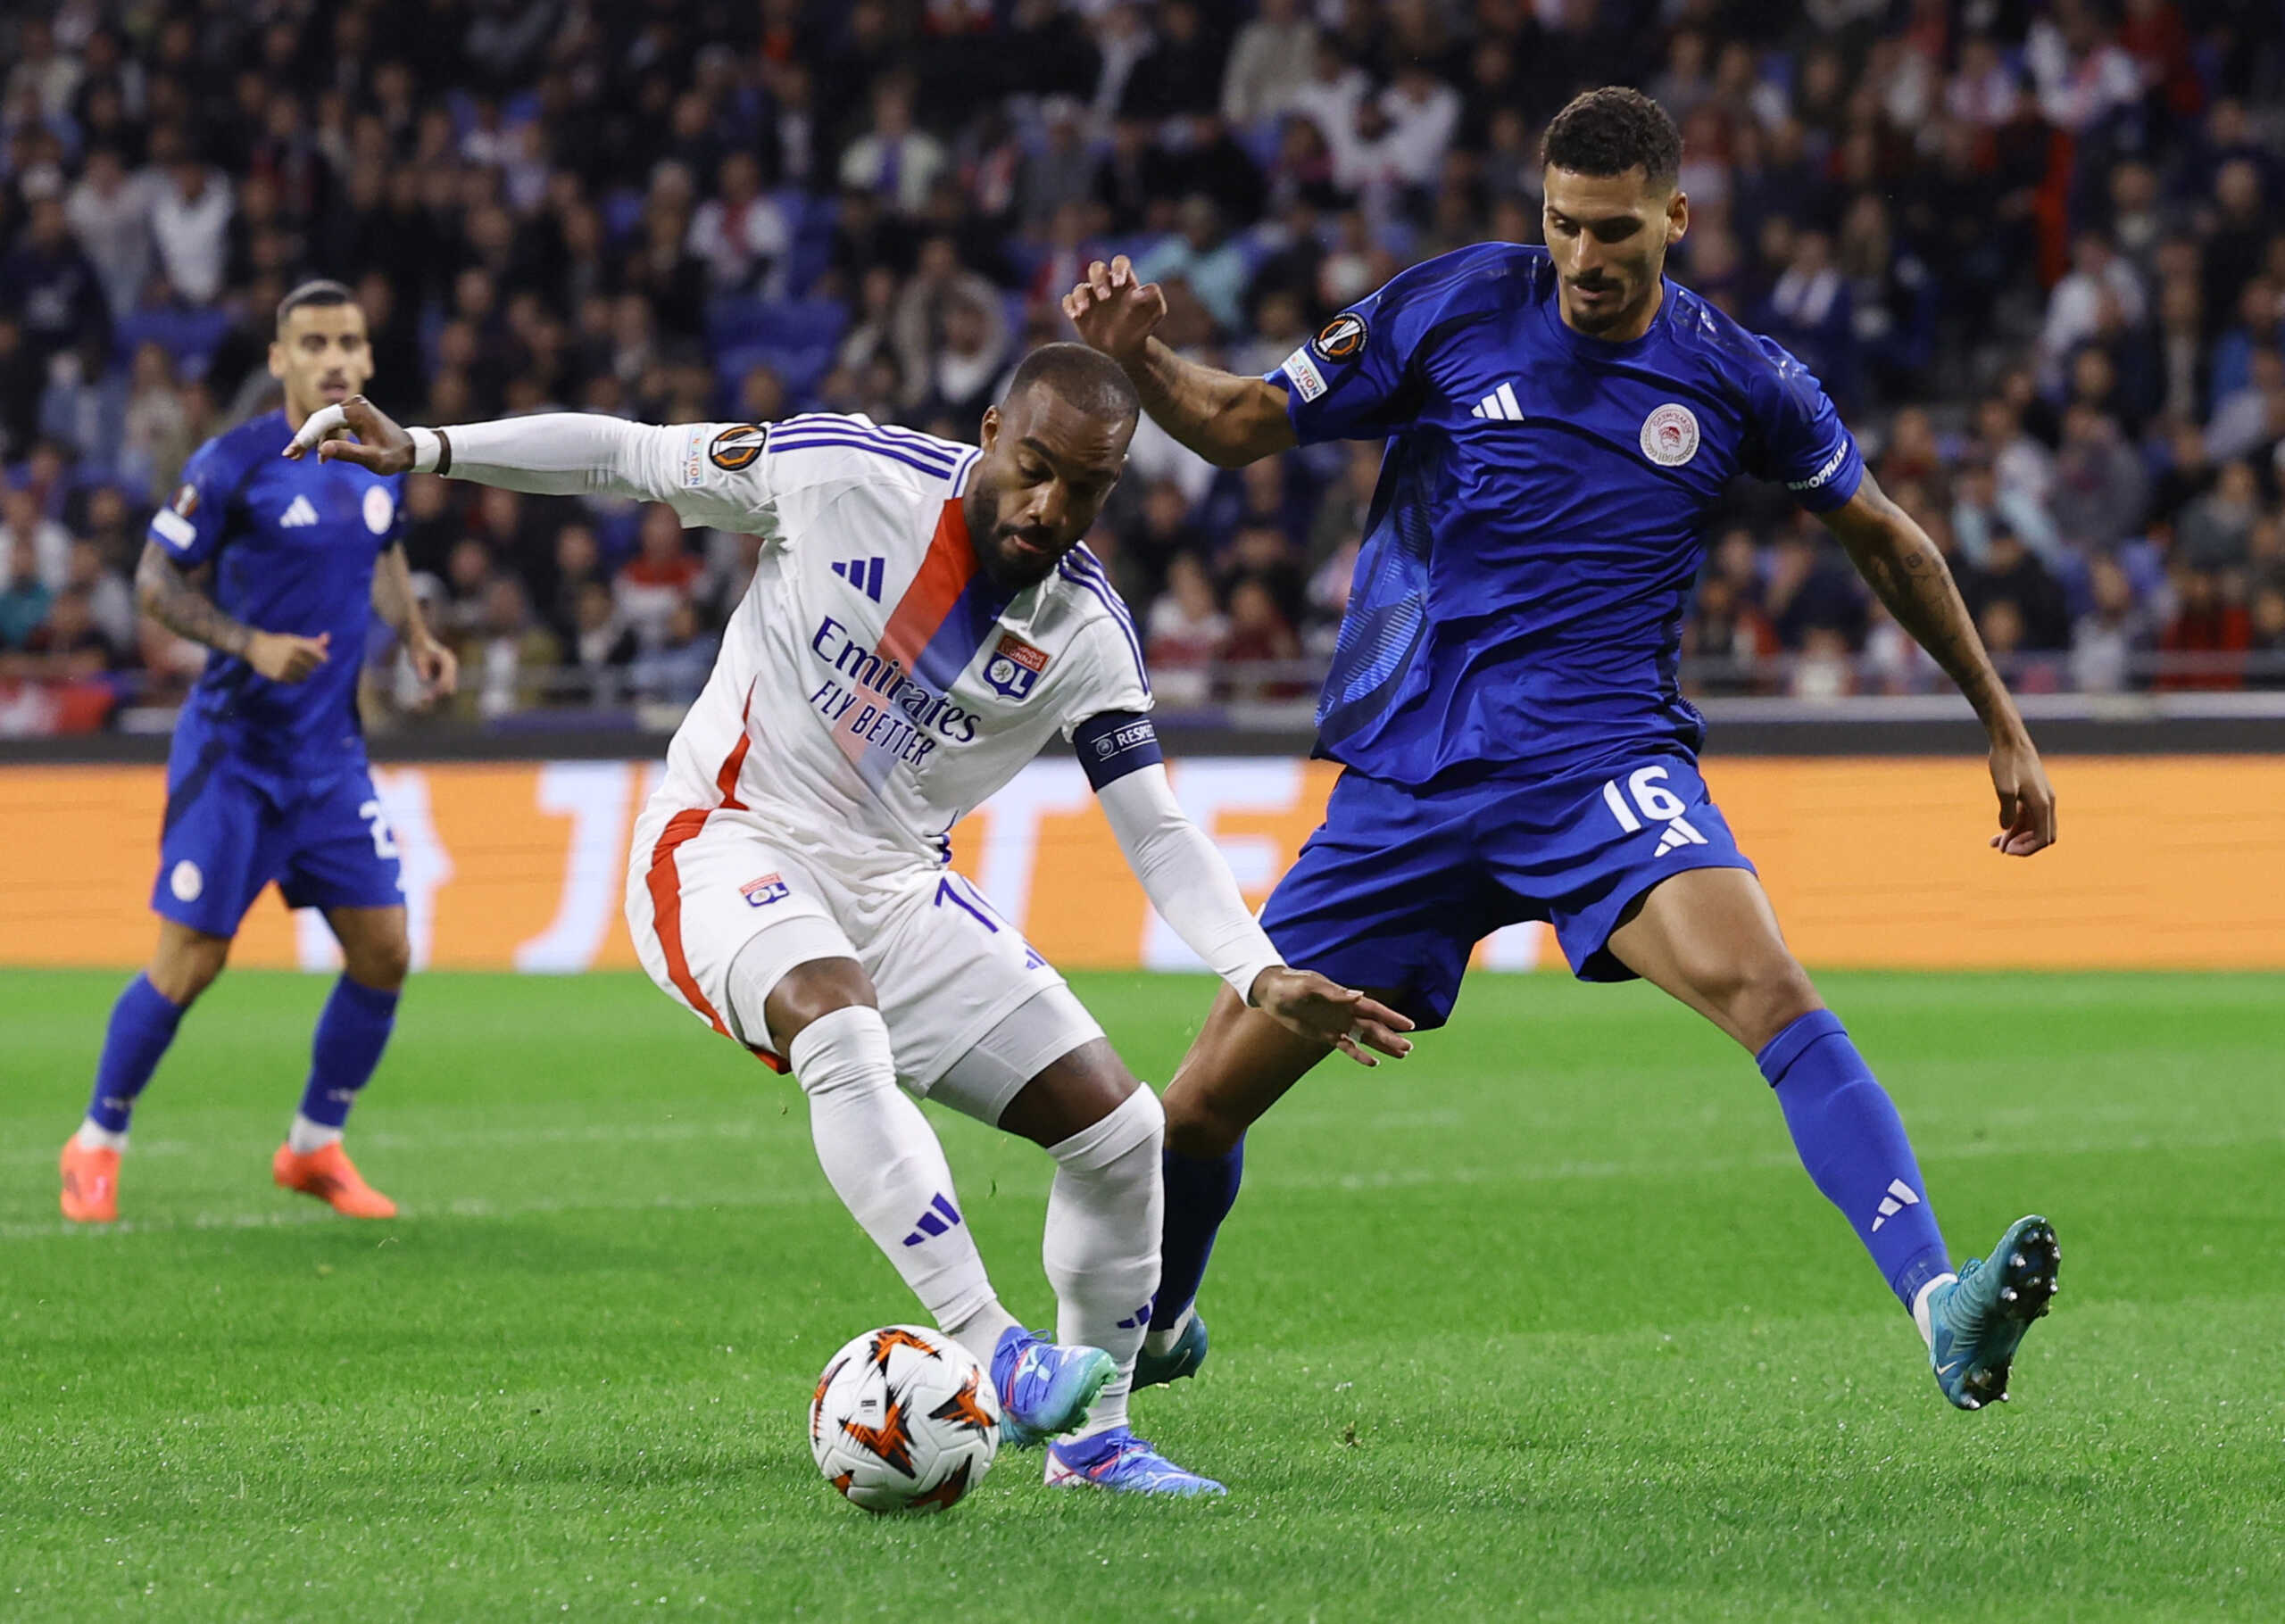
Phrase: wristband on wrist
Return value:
(432, 451)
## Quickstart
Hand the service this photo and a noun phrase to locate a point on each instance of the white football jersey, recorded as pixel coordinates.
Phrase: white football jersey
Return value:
(873, 685)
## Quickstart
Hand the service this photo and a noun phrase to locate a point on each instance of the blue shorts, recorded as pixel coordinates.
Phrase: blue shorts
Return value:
(1397, 885)
(227, 835)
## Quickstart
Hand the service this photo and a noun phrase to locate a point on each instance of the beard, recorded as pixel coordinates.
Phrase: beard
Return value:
(1014, 565)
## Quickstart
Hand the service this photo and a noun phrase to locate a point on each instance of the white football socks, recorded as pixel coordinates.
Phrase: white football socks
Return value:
(882, 1160)
(1161, 1343)
(1922, 1314)
(305, 1135)
(94, 1136)
(1101, 1243)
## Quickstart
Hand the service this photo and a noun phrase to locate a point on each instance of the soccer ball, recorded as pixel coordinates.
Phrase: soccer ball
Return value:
(904, 1420)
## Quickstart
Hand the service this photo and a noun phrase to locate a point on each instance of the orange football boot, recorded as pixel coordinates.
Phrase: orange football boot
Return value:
(90, 1183)
(328, 1174)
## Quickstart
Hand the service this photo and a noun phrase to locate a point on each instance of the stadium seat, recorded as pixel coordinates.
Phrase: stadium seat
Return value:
(189, 335)
(779, 324)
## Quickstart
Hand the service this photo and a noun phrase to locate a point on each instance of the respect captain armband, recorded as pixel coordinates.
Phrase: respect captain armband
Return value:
(1114, 744)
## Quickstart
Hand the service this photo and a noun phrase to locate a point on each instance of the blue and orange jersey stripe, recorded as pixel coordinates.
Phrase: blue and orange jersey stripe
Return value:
(935, 629)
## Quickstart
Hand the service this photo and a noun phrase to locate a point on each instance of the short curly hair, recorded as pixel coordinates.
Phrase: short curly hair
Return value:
(1609, 131)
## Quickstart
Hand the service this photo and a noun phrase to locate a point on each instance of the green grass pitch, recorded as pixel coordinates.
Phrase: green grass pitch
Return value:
(1545, 1323)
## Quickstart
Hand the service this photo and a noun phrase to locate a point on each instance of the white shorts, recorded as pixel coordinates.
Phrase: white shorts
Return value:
(973, 1011)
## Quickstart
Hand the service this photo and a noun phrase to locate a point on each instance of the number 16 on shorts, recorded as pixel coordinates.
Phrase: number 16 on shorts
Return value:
(1646, 789)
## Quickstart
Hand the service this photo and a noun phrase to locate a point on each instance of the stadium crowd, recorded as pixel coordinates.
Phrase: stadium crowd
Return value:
(2028, 246)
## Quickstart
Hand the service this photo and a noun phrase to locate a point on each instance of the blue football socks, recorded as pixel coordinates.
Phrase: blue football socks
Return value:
(1853, 1144)
(1200, 1194)
(142, 1024)
(352, 1033)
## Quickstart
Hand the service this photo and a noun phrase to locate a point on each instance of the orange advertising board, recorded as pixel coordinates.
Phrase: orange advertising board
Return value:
(2165, 862)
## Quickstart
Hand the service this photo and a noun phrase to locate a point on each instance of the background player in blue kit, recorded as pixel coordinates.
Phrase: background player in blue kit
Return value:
(267, 778)
(1560, 424)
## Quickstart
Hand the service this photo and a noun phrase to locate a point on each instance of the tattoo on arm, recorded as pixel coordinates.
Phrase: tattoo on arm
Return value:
(1226, 419)
(1904, 567)
(170, 597)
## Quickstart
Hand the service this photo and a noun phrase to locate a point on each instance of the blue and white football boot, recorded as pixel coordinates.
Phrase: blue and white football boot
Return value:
(1045, 1386)
(1117, 1460)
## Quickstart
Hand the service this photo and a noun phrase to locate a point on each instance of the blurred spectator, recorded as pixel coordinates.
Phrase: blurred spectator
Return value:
(673, 672)
(893, 160)
(109, 601)
(66, 646)
(24, 597)
(190, 223)
(1823, 670)
(2083, 76)
(1730, 636)
(2252, 418)
(1203, 257)
(2101, 289)
(109, 213)
(1259, 656)
(2214, 530)
(2100, 483)
(1269, 62)
(2207, 636)
(31, 543)
(1182, 71)
(1812, 589)
(2011, 572)
(602, 647)
(741, 233)
(2266, 668)
(661, 577)
(2111, 634)
(1185, 634)
(47, 285)
(505, 653)
(972, 351)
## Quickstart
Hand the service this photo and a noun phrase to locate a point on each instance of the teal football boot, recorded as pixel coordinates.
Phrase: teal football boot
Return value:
(1183, 1359)
(1978, 1320)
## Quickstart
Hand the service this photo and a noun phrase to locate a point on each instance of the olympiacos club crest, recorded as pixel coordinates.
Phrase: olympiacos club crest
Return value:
(1670, 435)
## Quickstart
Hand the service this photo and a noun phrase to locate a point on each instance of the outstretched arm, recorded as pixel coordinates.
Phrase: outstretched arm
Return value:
(1226, 419)
(1903, 565)
(172, 598)
(556, 453)
(1192, 888)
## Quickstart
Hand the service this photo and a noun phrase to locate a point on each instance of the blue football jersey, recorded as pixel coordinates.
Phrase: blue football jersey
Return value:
(292, 545)
(1541, 510)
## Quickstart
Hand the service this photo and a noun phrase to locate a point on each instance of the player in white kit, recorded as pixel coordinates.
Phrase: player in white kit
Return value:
(923, 619)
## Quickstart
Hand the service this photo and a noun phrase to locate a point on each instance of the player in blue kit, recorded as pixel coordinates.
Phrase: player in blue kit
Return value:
(266, 779)
(1561, 423)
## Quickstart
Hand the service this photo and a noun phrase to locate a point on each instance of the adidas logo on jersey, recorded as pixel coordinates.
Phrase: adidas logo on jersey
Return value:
(1899, 1197)
(863, 574)
(1679, 833)
(1499, 405)
(298, 512)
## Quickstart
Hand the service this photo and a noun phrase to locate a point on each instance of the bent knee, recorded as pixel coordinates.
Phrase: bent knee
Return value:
(808, 992)
(1200, 1126)
(183, 970)
(1758, 996)
(382, 965)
